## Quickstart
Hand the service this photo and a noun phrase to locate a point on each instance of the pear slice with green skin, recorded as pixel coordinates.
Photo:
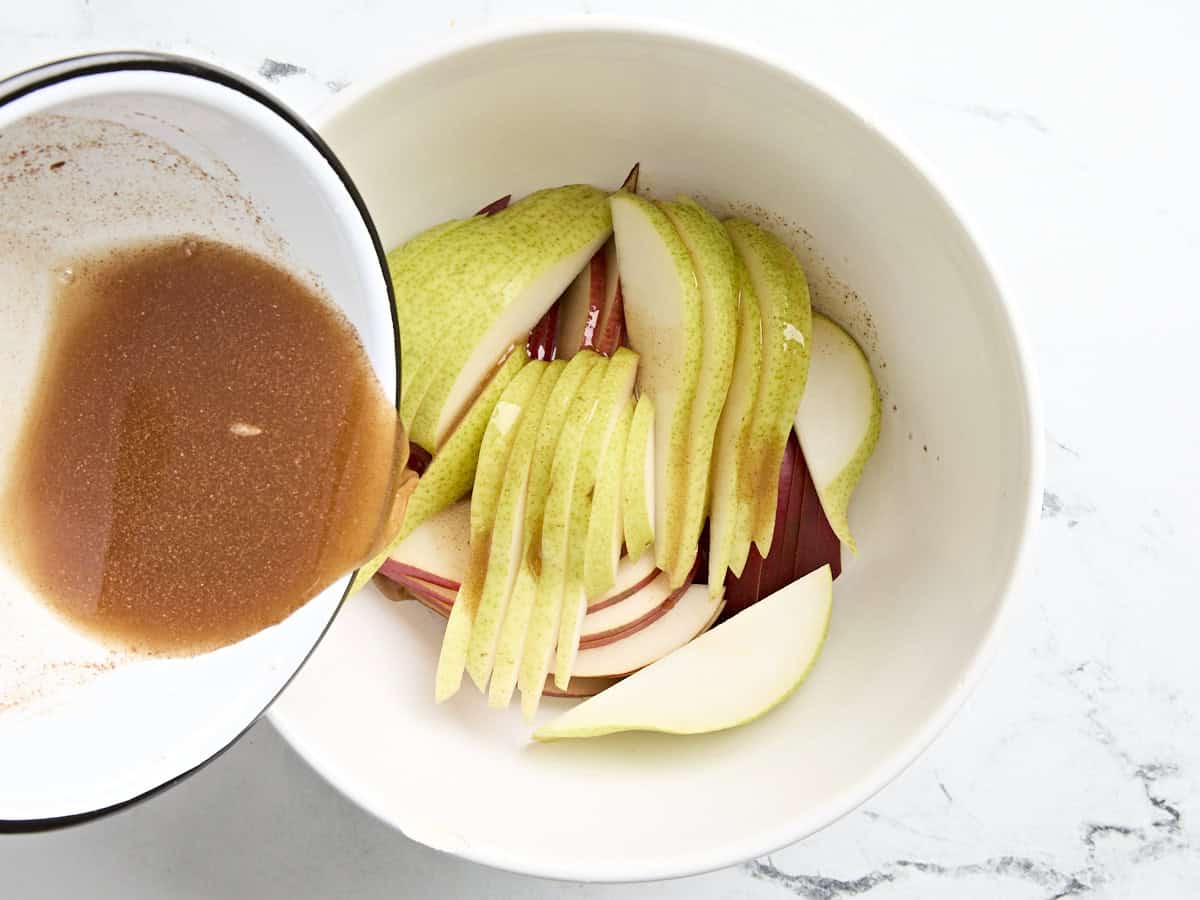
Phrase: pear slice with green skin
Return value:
(733, 493)
(664, 320)
(498, 276)
(783, 300)
(507, 531)
(602, 548)
(838, 420)
(615, 389)
(510, 647)
(556, 544)
(715, 264)
(494, 452)
(409, 307)
(637, 480)
(452, 471)
(726, 677)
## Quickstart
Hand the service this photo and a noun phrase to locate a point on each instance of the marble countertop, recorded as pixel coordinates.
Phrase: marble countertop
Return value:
(1069, 135)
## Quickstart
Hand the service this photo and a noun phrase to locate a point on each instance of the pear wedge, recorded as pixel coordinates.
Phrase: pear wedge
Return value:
(715, 264)
(491, 279)
(449, 476)
(507, 531)
(510, 647)
(602, 548)
(494, 452)
(838, 420)
(615, 389)
(726, 677)
(556, 543)
(664, 319)
(733, 490)
(782, 292)
(637, 480)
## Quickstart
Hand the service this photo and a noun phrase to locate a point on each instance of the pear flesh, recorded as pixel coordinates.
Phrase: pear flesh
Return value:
(838, 420)
(438, 551)
(726, 677)
(664, 319)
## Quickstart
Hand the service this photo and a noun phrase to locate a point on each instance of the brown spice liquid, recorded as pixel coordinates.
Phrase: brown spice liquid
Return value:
(209, 448)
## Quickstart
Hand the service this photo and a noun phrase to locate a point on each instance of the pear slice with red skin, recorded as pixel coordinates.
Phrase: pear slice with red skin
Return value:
(691, 615)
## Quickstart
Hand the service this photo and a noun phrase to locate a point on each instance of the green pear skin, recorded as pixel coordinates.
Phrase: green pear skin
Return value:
(603, 545)
(782, 292)
(733, 493)
(479, 287)
(715, 264)
(637, 507)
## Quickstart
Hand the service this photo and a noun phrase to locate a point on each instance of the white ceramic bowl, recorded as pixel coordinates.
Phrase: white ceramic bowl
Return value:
(942, 516)
(126, 147)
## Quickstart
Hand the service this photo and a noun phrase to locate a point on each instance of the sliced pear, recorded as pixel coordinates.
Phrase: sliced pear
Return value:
(626, 613)
(693, 612)
(438, 551)
(637, 480)
(733, 490)
(452, 471)
(498, 439)
(510, 648)
(728, 676)
(507, 532)
(492, 278)
(663, 315)
(715, 263)
(556, 544)
(632, 575)
(782, 292)
(838, 420)
(602, 548)
(579, 308)
(615, 389)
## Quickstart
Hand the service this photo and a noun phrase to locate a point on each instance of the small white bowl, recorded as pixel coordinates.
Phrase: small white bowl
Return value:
(119, 147)
(942, 517)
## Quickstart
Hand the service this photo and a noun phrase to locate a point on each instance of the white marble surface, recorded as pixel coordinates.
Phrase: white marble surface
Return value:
(1069, 132)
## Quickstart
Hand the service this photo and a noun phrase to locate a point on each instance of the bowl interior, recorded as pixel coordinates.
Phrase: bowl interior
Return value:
(940, 516)
(85, 163)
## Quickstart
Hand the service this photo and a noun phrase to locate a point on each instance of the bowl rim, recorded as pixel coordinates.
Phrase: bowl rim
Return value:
(29, 81)
(899, 758)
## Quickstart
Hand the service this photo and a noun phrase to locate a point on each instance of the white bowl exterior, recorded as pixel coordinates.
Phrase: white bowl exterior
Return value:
(82, 728)
(941, 516)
